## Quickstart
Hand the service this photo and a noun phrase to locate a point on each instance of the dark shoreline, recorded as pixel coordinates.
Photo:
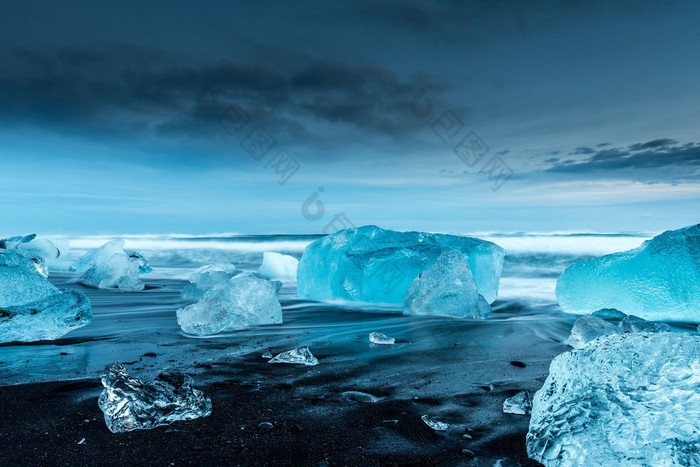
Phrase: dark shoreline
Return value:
(43, 423)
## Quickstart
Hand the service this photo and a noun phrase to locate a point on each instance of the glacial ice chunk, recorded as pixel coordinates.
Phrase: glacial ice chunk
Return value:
(279, 267)
(434, 424)
(379, 338)
(657, 281)
(626, 399)
(33, 309)
(359, 396)
(636, 324)
(300, 356)
(109, 266)
(129, 404)
(13, 242)
(587, 328)
(207, 277)
(243, 301)
(447, 288)
(520, 404)
(371, 264)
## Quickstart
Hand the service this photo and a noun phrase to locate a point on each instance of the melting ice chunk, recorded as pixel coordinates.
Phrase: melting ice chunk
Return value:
(243, 301)
(279, 267)
(31, 308)
(657, 281)
(587, 328)
(629, 397)
(109, 266)
(359, 396)
(447, 288)
(267, 354)
(207, 277)
(375, 265)
(636, 324)
(434, 424)
(379, 338)
(520, 404)
(300, 356)
(129, 404)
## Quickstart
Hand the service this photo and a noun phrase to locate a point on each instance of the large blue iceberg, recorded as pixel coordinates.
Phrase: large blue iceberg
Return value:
(623, 399)
(31, 307)
(371, 264)
(658, 281)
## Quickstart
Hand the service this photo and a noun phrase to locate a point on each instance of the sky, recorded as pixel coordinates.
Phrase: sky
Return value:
(303, 117)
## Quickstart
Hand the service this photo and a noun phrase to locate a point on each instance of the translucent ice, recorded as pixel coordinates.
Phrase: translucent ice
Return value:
(207, 277)
(587, 328)
(636, 324)
(625, 399)
(657, 281)
(520, 404)
(300, 356)
(279, 267)
(109, 266)
(14, 242)
(129, 404)
(376, 265)
(245, 300)
(434, 424)
(379, 338)
(31, 308)
(447, 288)
(359, 396)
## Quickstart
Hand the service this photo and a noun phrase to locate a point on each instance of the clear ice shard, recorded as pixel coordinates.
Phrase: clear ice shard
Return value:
(434, 424)
(243, 301)
(636, 324)
(657, 281)
(359, 396)
(447, 288)
(371, 264)
(379, 338)
(109, 266)
(13, 242)
(129, 404)
(520, 404)
(587, 328)
(33, 309)
(300, 356)
(624, 399)
(206, 278)
(279, 267)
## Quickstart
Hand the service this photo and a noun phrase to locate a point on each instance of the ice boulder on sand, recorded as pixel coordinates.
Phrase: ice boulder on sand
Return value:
(447, 288)
(109, 266)
(625, 399)
(371, 264)
(207, 277)
(31, 308)
(659, 281)
(279, 267)
(129, 404)
(243, 301)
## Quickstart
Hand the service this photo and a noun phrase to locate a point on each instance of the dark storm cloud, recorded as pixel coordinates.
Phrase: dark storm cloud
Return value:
(140, 89)
(650, 155)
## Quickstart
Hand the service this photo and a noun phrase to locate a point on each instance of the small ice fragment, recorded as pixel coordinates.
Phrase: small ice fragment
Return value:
(587, 328)
(81, 441)
(359, 396)
(267, 354)
(379, 338)
(279, 267)
(467, 436)
(520, 404)
(300, 356)
(265, 425)
(390, 421)
(636, 324)
(129, 404)
(435, 425)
